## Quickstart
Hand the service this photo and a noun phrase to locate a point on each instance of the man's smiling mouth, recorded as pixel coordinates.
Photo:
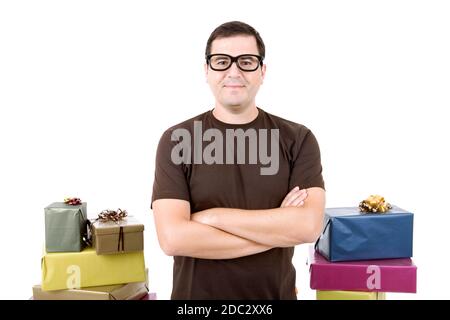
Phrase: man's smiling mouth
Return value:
(234, 86)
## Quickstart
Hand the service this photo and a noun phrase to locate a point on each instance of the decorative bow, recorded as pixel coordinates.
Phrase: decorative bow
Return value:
(112, 215)
(72, 201)
(375, 204)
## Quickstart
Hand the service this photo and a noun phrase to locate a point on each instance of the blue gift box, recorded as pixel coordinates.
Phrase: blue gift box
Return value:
(349, 234)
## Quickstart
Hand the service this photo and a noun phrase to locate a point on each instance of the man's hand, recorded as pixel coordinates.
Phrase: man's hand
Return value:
(295, 198)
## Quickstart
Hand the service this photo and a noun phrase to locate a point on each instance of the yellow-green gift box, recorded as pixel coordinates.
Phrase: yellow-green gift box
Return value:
(349, 295)
(72, 270)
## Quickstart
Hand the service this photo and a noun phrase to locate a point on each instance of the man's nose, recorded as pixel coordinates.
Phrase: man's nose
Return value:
(234, 70)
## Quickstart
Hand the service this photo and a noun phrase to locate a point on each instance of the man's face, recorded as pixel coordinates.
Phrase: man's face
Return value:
(234, 88)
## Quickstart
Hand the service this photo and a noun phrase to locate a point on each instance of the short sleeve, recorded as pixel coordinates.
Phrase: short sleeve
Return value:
(307, 167)
(170, 180)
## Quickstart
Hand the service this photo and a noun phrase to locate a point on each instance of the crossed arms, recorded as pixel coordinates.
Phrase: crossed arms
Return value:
(224, 233)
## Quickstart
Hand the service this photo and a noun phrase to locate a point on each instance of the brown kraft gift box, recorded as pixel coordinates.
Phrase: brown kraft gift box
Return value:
(113, 237)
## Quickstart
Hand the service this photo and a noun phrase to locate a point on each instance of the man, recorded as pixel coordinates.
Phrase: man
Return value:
(228, 213)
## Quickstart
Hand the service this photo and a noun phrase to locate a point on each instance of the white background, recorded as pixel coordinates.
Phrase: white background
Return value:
(87, 88)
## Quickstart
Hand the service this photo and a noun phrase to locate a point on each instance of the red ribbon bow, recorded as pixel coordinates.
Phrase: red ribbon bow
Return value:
(72, 201)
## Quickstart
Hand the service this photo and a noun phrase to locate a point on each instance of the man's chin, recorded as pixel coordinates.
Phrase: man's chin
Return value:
(233, 106)
(234, 103)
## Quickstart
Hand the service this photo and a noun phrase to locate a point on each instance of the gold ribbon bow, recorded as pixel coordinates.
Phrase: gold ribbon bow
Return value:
(374, 204)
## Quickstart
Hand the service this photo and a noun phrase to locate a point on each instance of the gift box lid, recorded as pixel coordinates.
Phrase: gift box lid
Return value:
(342, 212)
(65, 205)
(55, 209)
(128, 224)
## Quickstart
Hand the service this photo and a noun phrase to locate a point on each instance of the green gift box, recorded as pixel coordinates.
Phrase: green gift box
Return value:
(65, 227)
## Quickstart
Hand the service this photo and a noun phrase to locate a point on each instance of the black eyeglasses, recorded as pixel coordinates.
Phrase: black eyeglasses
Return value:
(245, 62)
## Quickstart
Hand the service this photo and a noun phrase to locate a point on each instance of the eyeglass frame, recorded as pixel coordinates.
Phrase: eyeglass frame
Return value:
(233, 60)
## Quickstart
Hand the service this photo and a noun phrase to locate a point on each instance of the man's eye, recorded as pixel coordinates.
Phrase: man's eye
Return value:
(248, 61)
(221, 62)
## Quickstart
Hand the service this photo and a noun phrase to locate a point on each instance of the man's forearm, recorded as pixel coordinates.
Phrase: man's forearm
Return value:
(286, 226)
(194, 239)
(279, 227)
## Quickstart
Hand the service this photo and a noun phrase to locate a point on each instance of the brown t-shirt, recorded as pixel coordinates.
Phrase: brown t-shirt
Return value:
(236, 184)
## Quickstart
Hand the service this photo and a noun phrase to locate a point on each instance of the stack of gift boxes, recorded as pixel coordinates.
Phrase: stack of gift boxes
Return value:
(361, 256)
(98, 260)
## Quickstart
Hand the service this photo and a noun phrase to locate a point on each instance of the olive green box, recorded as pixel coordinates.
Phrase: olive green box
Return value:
(65, 227)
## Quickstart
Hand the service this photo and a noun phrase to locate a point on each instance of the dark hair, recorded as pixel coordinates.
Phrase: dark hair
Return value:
(235, 28)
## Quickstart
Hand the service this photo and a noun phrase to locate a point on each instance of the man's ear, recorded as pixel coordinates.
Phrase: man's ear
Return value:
(263, 72)
(206, 72)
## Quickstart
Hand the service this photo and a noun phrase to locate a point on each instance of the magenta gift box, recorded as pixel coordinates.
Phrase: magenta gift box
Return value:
(149, 296)
(390, 275)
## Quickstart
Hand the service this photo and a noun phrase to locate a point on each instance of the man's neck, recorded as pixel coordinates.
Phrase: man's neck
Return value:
(235, 115)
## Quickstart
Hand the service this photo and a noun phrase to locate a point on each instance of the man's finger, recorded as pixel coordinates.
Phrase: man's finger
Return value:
(296, 195)
(292, 196)
(301, 196)
(295, 189)
(297, 202)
